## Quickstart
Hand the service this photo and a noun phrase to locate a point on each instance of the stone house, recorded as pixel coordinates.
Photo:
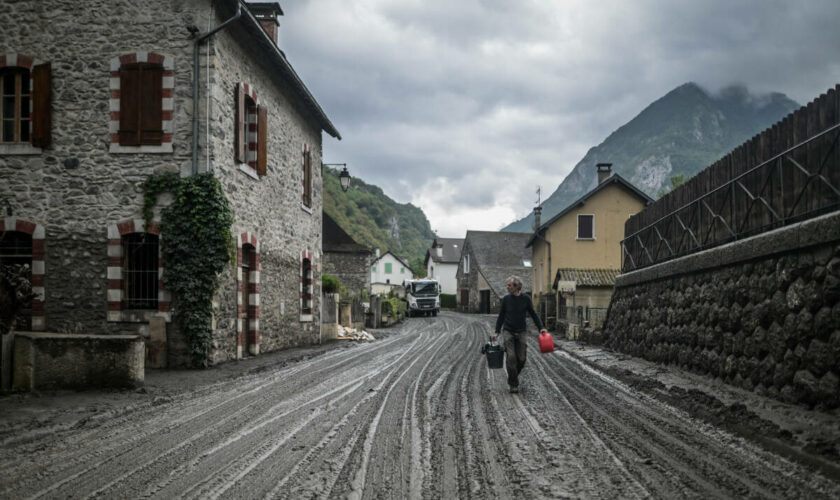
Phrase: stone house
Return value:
(441, 262)
(93, 112)
(344, 258)
(577, 253)
(487, 260)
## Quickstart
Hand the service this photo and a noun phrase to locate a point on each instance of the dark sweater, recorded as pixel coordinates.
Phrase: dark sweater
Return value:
(512, 313)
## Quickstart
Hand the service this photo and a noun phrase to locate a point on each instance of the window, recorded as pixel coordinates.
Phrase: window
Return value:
(467, 264)
(14, 106)
(24, 104)
(306, 276)
(140, 271)
(586, 227)
(141, 104)
(373, 268)
(307, 182)
(526, 263)
(16, 249)
(251, 131)
(402, 270)
(388, 268)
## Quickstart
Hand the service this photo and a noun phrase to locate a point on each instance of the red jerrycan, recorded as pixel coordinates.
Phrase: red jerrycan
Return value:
(546, 342)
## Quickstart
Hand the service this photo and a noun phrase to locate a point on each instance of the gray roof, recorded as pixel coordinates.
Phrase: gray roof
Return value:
(336, 239)
(613, 179)
(451, 250)
(498, 255)
(274, 60)
(588, 277)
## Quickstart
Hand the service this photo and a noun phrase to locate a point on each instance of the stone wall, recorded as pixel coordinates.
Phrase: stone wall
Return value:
(78, 186)
(351, 269)
(762, 313)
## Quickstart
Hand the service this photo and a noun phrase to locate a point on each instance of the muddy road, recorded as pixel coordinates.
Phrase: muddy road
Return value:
(414, 415)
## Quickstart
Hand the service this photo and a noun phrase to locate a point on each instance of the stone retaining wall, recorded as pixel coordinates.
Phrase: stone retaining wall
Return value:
(761, 314)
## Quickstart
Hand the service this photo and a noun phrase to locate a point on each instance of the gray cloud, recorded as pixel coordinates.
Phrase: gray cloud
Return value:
(463, 108)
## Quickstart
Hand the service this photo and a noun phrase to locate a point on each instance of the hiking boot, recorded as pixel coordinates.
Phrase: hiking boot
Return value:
(514, 389)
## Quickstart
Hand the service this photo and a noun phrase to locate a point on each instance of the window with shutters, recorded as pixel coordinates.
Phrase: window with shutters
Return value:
(24, 105)
(251, 132)
(586, 227)
(306, 288)
(141, 103)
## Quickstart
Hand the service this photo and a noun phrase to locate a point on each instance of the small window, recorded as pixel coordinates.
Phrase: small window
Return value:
(466, 264)
(140, 271)
(387, 268)
(373, 268)
(402, 270)
(306, 299)
(526, 263)
(15, 105)
(307, 181)
(586, 227)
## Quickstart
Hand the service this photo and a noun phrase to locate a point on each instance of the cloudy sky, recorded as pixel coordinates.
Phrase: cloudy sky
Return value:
(464, 107)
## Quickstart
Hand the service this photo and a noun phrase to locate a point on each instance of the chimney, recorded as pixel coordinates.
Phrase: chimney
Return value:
(537, 214)
(268, 14)
(604, 172)
(377, 253)
(439, 250)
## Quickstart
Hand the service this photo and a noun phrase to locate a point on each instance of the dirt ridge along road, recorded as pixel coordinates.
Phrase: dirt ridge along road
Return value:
(415, 415)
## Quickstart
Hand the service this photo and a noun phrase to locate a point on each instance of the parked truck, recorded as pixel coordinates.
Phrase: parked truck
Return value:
(422, 297)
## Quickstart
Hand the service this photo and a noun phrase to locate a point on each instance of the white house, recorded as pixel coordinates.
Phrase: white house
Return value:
(442, 262)
(388, 272)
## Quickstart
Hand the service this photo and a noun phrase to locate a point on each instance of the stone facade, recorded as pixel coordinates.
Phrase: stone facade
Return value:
(351, 269)
(80, 186)
(762, 314)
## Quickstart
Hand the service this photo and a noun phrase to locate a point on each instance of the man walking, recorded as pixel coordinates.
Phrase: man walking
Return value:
(512, 317)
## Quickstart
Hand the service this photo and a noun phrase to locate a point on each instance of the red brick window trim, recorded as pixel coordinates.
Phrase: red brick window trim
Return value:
(147, 80)
(119, 279)
(25, 90)
(306, 285)
(247, 294)
(37, 232)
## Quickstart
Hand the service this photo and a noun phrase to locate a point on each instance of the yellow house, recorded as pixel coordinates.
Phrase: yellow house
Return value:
(577, 253)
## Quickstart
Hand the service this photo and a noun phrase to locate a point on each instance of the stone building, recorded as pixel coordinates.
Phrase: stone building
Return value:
(441, 262)
(487, 260)
(104, 93)
(344, 258)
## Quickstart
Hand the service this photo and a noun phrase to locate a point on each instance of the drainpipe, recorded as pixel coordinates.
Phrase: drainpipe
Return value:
(537, 214)
(196, 47)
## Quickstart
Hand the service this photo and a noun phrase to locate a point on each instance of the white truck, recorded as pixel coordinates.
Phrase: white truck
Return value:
(422, 297)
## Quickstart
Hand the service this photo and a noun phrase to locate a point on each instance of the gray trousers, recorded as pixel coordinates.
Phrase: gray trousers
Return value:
(515, 348)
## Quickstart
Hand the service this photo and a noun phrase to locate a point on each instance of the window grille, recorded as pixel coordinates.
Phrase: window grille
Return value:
(140, 271)
(586, 227)
(306, 273)
(16, 249)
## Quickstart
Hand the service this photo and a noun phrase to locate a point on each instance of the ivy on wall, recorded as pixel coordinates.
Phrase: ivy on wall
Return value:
(196, 245)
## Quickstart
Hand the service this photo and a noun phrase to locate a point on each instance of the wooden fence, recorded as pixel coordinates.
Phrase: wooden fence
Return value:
(787, 173)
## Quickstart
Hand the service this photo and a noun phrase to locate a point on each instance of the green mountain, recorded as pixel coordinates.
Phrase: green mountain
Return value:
(376, 221)
(681, 133)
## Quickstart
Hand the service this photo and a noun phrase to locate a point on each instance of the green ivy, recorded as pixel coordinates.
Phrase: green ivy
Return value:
(196, 244)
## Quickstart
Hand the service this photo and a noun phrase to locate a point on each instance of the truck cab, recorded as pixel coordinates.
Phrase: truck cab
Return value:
(422, 297)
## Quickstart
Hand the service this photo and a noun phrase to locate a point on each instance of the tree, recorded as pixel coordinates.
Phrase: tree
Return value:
(677, 180)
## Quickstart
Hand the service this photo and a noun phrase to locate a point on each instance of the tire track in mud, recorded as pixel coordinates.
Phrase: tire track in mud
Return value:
(415, 415)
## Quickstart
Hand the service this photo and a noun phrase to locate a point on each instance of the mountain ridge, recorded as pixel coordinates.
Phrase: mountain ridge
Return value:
(682, 132)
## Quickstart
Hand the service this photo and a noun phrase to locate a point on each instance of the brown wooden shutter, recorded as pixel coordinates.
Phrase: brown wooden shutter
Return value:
(239, 136)
(151, 105)
(129, 106)
(41, 106)
(262, 140)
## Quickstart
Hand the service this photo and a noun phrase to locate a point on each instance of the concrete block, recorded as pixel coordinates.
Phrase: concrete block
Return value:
(64, 361)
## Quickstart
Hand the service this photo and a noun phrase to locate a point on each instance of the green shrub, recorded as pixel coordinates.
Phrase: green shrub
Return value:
(447, 301)
(329, 283)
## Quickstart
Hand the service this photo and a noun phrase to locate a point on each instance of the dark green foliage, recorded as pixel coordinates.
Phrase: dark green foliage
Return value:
(447, 301)
(370, 217)
(15, 294)
(196, 244)
(329, 283)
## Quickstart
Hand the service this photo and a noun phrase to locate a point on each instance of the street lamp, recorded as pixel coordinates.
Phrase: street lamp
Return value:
(343, 176)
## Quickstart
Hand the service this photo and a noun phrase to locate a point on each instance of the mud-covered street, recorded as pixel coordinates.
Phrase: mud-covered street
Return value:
(415, 414)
